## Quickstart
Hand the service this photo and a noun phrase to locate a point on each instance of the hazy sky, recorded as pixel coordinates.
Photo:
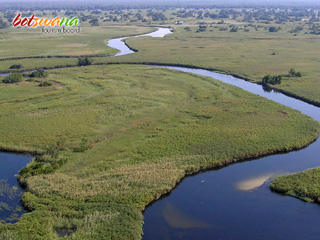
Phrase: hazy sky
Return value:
(171, 1)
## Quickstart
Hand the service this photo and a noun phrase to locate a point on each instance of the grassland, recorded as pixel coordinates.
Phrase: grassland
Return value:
(147, 129)
(303, 185)
(250, 55)
(20, 43)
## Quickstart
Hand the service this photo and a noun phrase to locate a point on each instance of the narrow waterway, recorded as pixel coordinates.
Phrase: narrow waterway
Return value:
(235, 202)
(118, 43)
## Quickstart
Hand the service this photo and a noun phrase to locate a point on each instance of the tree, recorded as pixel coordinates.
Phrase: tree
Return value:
(84, 61)
(273, 29)
(273, 80)
(94, 22)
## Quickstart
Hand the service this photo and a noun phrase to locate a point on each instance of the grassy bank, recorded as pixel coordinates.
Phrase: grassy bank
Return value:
(303, 185)
(145, 128)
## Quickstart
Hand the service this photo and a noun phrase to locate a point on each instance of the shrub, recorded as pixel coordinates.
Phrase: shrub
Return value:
(38, 74)
(13, 78)
(84, 61)
(83, 146)
(45, 84)
(294, 73)
(273, 80)
(16, 66)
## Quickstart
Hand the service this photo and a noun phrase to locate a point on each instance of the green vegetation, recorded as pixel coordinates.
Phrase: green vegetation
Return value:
(38, 74)
(20, 43)
(16, 66)
(84, 61)
(273, 80)
(110, 139)
(303, 185)
(294, 73)
(143, 130)
(13, 78)
(248, 54)
(45, 84)
(237, 41)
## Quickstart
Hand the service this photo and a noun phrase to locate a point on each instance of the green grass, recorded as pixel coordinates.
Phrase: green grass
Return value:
(15, 43)
(250, 55)
(303, 185)
(245, 54)
(148, 128)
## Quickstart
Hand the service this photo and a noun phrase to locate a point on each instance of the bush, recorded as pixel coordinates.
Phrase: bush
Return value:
(45, 84)
(294, 73)
(273, 80)
(83, 146)
(46, 163)
(274, 29)
(84, 61)
(16, 66)
(38, 74)
(13, 78)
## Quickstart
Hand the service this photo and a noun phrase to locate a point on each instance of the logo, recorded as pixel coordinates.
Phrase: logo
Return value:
(34, 22)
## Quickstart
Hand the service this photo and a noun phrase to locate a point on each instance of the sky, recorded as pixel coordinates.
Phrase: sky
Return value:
(171, 1)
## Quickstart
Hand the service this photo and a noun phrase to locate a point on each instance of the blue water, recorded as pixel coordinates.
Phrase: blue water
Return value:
(10, 191)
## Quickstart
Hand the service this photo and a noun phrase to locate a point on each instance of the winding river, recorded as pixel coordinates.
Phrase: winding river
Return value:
(235, 202)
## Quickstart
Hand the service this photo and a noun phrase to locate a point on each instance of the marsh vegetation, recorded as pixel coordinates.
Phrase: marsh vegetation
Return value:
(146, 128)
(110, 139)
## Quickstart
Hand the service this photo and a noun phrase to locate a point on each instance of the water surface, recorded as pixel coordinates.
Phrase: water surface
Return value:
(119, 44)
(10, 191)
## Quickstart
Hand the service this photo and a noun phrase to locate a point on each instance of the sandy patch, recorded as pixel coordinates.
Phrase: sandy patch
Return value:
(253, 183)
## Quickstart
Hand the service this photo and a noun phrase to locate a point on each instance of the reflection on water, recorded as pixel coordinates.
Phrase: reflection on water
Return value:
(178, 219)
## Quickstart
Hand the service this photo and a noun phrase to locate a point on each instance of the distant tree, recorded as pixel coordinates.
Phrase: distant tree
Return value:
(94, 22)
(273, 29)
(3, 24)
(234, 29)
